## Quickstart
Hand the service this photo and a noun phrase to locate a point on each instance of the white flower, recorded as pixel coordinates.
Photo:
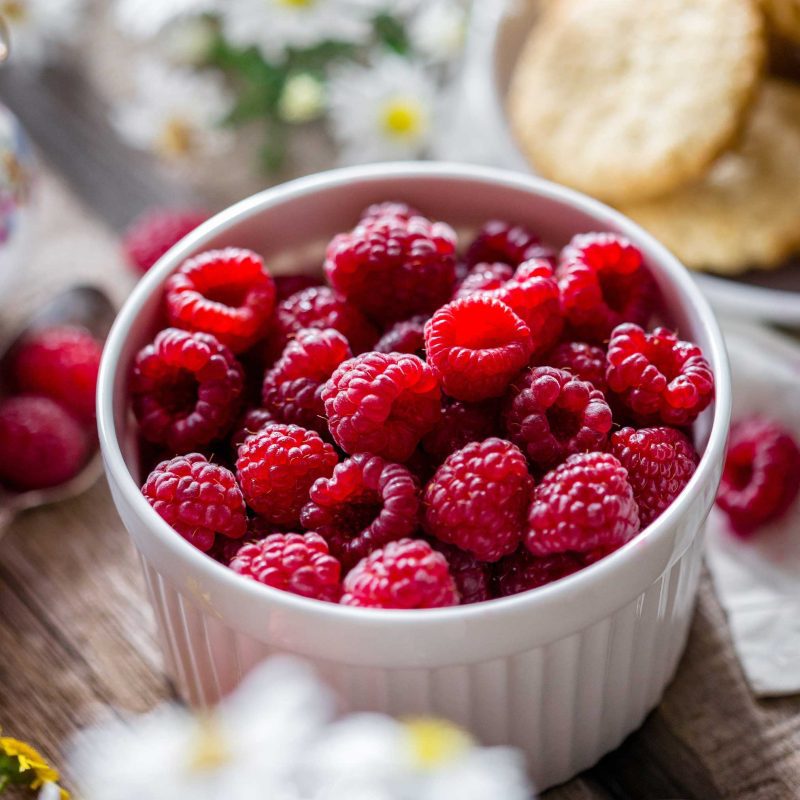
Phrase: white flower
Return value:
(247, 749)
(175, 112)
(188, 41)
(272, 26)
(382, 111)
(38, 27)
(144, 19)
(49, 791)
(302, 98)
(438, 30)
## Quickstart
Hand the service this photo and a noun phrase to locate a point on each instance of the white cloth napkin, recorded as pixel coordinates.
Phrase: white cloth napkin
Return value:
(758, 580)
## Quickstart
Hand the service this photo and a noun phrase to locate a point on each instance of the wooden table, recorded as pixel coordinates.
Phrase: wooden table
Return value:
(76, 633)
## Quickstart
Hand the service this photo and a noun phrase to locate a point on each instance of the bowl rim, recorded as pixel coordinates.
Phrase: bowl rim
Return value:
(580, 583)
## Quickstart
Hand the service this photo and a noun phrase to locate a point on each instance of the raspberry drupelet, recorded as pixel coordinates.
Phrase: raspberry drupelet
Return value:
(522, 571)
(227, 293)
(389, 208)
(276, 468)
(511, 244)
(604, 282)
(460, 424)
(761, 475)
(473, 577)
(287, 285)
(156, 231)
(293, 562)
(659, 461)
(186, 389)
(583, 505)
(584, 361)
(402, 575)
(484, 277)
(393, 268)
(407, 336)
(550, 414)
(366, 503)
(292, 389)
(657, 377)
(478, 498)
(476, 346)
(382, 403)
(198, 499)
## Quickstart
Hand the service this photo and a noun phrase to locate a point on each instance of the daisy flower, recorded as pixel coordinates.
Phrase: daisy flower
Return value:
(38, 27)
(22, 765)
(437, 32)
(143, 19)
(381, 111)
(175, 111)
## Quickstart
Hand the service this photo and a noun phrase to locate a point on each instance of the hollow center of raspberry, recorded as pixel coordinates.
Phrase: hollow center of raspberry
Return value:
(739, 470)
(663, 359)
(178, 396)
(564, 424)
(232, 295)
(617, 290)
(358, 514)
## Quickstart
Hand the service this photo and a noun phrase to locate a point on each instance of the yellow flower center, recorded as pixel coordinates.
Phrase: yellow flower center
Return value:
(13, 10)
(402, 118)
(435, 742)
(296, 3)
(175, 139)
(209, 751)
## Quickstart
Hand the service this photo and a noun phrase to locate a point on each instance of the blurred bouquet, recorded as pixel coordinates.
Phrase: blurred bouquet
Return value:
(373, 70)
(275, 738)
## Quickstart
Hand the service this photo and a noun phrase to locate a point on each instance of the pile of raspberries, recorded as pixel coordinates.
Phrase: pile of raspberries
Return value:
(427, 428)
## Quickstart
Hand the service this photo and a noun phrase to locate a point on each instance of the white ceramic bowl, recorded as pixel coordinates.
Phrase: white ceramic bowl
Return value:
(564, 672)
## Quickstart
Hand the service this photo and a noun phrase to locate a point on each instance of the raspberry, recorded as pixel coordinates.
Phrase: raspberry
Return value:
(394, 268)
(61, 363)
(476, 346)
(478, 498)
(198, 499)
(293, 562)
(389, 208)
(292, 389)
(276, 468)
(584, 361)
(404, 574)
(473, 578)
(459, 424)
(287, 285)
(484, 277)
(551, 414)
(157, 231)
(659, 461)
(252, 421)
(522, 571)
(41, 444)
(584, 504)
(657, 377)
(366, 503)
(227, 293)
(321, 307)
(381, 403)
(501, 241)
(186, 389)
(761, 476)
(603, 283)
(407, 336)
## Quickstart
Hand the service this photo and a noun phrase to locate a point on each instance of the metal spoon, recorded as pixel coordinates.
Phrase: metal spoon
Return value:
(90, 308)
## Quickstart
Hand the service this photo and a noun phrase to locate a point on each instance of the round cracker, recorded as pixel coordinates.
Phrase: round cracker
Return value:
(783, 17)
(745, 212)
(629, 99)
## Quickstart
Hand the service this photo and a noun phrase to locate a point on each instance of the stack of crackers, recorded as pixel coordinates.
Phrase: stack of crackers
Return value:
(664, 108)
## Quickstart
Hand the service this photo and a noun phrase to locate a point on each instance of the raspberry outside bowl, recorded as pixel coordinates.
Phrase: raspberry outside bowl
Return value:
(564, 672)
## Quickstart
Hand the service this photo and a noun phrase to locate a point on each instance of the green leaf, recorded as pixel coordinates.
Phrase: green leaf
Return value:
(273, 151)
(392, 33)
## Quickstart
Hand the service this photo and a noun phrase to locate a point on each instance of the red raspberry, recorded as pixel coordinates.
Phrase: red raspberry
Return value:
(659, 461)
(761, 476)
(389, 208)
(584, 361)
(293, 562)
(584, 504)
(478, 498)
(62, 363)
(366, 503)
(198, 499)
(394, 268)
(657, 377)
(287, 285)
(252, 421)
(551, 414)
(157, 231)
(321, 307)
(381, 403)
(276, 468)
(292, 389)
(476, 346)
(407, 336)
(460, 424)
(501, 241)
(603, 283)
(186, 389)
(41, 444)
(473, 578)
(484, 277)
(404, 574)
(522, 571)
(227, 293)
